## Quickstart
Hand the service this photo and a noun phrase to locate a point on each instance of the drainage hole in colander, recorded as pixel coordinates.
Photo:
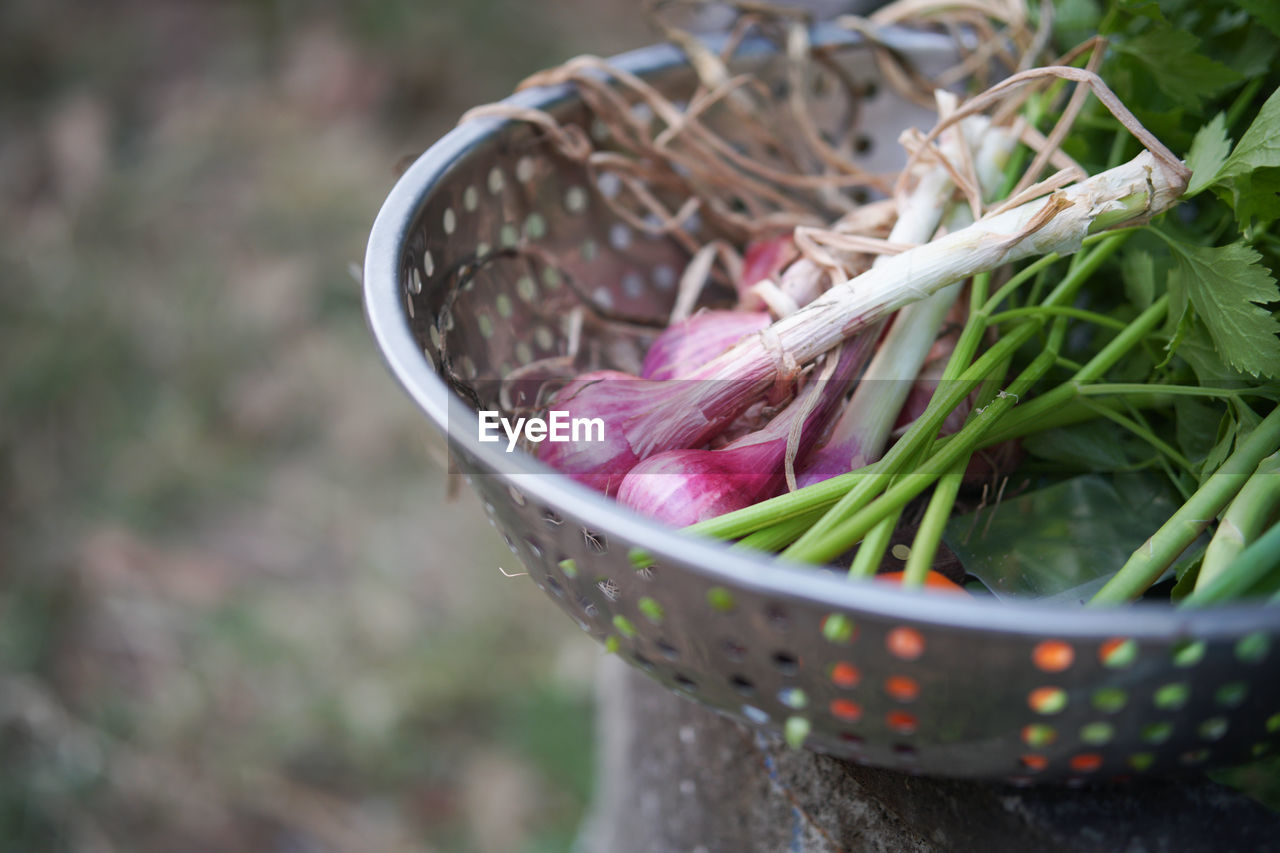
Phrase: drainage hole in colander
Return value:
(1213, 728)
(597, 543)
(845, 709)
(1097, 734)
(1253, 648)
(1231, 695)
(642, 662)
(1188, 652)
(905, 643)
(668, 651)
(496, 181)
(904, 752)
(633, 284)
(787, 663)
(844, 674)
(793, 698)
(684, 682)
(903, 688)
(1157, 733)
(777, 617)
(902, 722)
(1118, 653)
(1110, 700)
(742, 684)
(535, 227)
(608, 587)
(652, 610)
(1171, 697)
(554, 586)
(1053, 656)
(575, 199)
(1047, 700)
(664, 277)
(839, 629)
(524, 169)
(619, 236)
(608, 184)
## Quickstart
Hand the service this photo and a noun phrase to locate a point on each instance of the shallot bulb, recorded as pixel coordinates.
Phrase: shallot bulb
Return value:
(763, 260)
(688, 345)
(682, 487)
(604, 394)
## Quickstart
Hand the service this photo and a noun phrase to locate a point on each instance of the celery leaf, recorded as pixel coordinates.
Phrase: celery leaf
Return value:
(1176, 67)
(1209, 151)
(1260, 146)
(1225, 285)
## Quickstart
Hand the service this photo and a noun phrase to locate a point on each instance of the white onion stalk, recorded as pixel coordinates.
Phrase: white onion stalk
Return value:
(860, 435)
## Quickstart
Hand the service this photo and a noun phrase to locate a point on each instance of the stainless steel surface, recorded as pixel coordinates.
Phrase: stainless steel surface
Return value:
(467, 276)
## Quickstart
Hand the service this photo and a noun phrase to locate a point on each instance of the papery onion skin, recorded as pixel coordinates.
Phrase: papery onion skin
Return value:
(601, 465)
(682, 487)
(688, 345)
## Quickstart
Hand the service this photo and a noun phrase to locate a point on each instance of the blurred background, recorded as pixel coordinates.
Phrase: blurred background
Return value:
(237, 611)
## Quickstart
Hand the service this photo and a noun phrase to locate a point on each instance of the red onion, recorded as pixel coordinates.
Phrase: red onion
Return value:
(764, 260)
(605, 394)
(682, 487)
(688, 345)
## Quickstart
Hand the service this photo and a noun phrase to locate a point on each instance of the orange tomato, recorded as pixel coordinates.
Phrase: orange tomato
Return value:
(933, 580)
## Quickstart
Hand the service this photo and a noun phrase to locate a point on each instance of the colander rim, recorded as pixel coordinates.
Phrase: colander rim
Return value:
(388, 322)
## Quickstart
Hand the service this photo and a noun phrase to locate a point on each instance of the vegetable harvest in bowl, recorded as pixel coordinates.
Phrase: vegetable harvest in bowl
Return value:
(860, 365)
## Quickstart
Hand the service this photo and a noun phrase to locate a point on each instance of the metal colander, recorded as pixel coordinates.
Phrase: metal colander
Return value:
(479, 254)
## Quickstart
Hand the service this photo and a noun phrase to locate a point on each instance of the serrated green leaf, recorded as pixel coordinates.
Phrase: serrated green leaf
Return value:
(1197, 350)
(1209, 151)
(1265, 12)
(1225, 285)
(1260, 145)
(1139, 272)
(1176, 67)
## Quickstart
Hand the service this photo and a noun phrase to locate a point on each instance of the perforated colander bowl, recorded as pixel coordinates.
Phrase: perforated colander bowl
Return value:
(930, 684)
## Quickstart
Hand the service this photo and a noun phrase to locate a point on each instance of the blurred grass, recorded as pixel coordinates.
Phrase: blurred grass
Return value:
(235, 610)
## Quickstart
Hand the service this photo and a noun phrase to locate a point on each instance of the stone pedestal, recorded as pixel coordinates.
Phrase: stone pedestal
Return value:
(677, 778)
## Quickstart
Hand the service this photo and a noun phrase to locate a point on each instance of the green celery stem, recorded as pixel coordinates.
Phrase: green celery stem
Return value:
(866, 562)
(1158, 553)
(845, 533)
(1245, 519)
(925, 545)
(1255, 562)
